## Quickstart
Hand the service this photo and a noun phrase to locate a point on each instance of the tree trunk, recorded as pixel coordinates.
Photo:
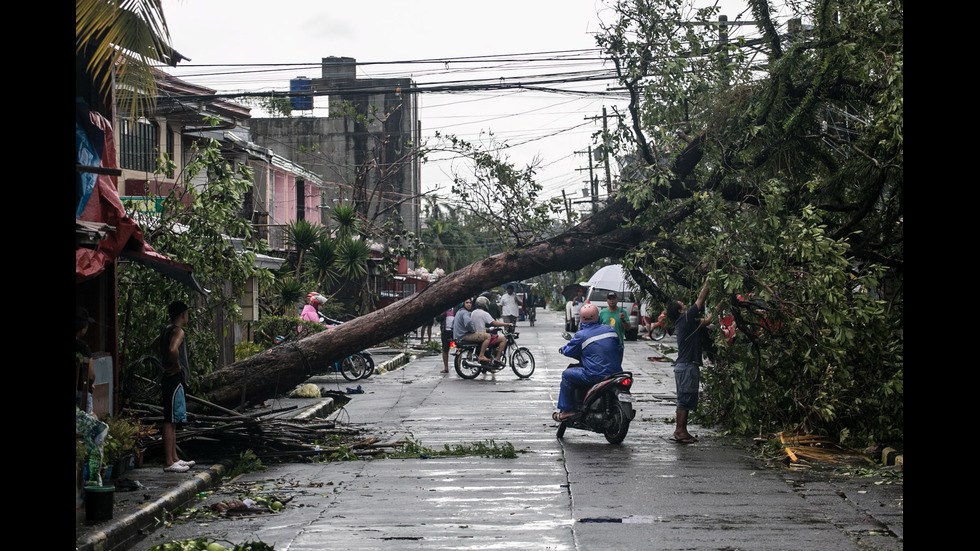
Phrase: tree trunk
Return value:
(272, 372)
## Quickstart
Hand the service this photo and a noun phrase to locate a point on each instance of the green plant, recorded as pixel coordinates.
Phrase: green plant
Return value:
(210, 544)
(271, 328)
(246, 463)
(120, 440)
(302, 236)
(490, 448)
(245, 349)
(193, 228)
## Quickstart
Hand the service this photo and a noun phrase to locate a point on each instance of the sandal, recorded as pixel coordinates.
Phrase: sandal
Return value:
(560, 418)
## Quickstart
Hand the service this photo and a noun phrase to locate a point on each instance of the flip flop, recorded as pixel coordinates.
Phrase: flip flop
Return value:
(561, 419)
(688, 440)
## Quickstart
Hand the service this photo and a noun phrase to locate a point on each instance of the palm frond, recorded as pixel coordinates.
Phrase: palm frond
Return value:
(124, 36)
(353, 257)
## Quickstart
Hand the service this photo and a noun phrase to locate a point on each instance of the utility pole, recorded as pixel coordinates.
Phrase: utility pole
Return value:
(593, 188)
(605, 154)
(593, 185)
(568, 207)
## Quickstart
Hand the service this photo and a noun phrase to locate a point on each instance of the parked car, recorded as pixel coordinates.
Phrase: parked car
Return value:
(614, 278)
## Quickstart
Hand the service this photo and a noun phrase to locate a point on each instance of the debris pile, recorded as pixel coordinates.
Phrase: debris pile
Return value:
(268, 433)
(809, 447)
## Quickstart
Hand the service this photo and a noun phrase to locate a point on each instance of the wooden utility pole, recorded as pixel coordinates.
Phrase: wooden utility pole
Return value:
(605, 153)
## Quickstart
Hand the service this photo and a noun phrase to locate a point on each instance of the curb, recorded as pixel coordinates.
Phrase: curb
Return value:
(394, 363)
(117, 532)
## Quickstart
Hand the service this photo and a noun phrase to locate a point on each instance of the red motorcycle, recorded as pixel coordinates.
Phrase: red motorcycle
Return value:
(658, 330)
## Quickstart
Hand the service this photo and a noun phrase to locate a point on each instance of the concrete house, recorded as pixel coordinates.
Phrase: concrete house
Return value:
(369, 156)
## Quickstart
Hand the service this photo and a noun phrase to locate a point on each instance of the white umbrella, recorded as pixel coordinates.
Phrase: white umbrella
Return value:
(612, 278)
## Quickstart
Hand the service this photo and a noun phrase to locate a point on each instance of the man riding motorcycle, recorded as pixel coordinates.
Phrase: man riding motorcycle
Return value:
(598, 349)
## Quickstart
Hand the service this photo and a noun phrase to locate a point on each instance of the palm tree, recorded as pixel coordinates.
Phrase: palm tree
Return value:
(302, 236)
(122, 39)
(289, 292)
(353, 257)
(346, 218)
(324, 257)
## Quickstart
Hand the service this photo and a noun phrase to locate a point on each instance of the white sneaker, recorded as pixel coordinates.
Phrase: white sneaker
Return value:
(177, 467)
(188, 463)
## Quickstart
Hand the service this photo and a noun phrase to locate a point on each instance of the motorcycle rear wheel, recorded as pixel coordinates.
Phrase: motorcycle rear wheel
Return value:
(615, 433)
(658, 333)
(466, 371)
(522, 362)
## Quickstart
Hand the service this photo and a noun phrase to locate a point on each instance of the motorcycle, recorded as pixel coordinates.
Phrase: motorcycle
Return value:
(520, 359)
(606, 407)
(659, 330)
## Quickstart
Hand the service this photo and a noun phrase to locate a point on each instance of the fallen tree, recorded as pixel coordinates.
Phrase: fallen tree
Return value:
(610, 233)
(794, 169)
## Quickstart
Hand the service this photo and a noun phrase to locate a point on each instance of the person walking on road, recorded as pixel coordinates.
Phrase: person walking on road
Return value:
(687, 369)
(176, 375)
(510, 306)
(445, 320)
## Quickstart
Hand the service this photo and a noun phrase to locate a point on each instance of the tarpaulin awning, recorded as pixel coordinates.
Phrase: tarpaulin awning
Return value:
(103, 212)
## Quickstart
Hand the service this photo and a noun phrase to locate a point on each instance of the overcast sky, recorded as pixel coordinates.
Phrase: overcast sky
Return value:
(298, 33)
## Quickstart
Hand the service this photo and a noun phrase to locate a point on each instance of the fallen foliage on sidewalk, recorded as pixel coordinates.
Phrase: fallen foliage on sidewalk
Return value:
(809, 447)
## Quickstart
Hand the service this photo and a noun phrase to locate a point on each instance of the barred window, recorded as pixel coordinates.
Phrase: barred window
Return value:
(138, 144)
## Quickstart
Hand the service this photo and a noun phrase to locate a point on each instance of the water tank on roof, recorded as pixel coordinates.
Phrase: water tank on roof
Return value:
(301, 102)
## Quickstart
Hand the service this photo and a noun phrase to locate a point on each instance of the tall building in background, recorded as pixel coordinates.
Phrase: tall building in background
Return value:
(366, 145)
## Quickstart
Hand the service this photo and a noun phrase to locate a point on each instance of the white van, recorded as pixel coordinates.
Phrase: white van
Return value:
(614, 278)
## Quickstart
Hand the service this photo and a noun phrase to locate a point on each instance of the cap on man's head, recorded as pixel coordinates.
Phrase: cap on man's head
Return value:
(81, 314)
(82, 318)
(612, 294)
(175, 309)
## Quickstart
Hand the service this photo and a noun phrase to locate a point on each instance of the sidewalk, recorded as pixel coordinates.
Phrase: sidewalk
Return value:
(138, 512)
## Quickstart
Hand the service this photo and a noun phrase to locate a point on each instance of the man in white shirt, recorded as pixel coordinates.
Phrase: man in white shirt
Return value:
(510, 306)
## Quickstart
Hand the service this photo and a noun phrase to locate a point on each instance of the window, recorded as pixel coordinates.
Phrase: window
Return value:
(138, 144)
(300, 200)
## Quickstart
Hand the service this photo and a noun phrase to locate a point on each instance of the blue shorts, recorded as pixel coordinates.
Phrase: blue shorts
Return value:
(688, 379)
(174, 404)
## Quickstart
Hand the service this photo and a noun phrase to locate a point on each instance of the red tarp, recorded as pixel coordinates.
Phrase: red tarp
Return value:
(105, 207)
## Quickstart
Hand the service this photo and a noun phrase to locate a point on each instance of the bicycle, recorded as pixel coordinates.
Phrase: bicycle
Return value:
(353, 367)
(359, 365)
(142, 381)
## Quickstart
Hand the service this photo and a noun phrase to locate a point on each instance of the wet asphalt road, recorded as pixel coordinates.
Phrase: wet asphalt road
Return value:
(580, 493)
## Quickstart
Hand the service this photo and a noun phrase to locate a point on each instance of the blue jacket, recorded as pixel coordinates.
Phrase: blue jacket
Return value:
(597, 347)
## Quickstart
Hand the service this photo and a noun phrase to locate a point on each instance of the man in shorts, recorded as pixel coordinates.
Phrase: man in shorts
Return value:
(482, 319)
(687, 369)
(176, 373)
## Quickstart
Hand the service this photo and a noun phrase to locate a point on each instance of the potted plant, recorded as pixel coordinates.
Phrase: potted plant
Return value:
(145, 434)
(120, 441)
